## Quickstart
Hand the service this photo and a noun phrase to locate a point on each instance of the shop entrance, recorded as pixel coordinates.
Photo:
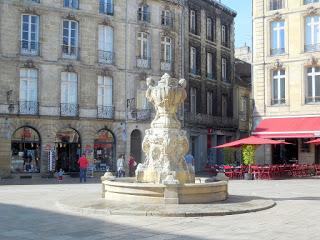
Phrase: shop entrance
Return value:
(68, 149)
(25, 151)
(285, 154)
(135, 145)
(317, 154)
(104, 151)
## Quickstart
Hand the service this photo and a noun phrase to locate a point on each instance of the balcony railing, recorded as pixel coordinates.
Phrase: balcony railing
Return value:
(211, 121)
(166, 66)
(313, 99)
(167, 21)
(105, 112)
(140, 114)
(70, 52)
(278, 101)
(69, 110)
(106, 8)
(106, 57)
(143, 62)
(29, 48)
(143, 16)
(28, 108)
(277, 51)
(195, 71)
(312, 47)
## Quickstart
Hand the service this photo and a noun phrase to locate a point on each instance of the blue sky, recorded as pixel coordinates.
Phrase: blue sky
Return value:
(243, 20)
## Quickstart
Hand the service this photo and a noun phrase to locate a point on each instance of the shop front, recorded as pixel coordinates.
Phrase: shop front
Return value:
(297, 131)
(25, 151)
(104, 151)
(68, 150)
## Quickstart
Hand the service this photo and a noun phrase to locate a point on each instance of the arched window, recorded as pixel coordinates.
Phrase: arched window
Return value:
(25, 150)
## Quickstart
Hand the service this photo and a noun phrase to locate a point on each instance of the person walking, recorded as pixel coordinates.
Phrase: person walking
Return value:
(83, 164)
(120, 166)
(132, 166)
(60, 175)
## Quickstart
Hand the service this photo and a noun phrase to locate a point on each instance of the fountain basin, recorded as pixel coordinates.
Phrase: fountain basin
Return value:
(127, 190)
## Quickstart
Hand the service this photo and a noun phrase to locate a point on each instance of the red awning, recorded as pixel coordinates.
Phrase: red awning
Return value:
(249, 141)
(303, 127)
(315, 141)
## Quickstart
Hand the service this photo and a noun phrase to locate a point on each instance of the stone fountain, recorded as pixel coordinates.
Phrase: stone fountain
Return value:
(164, 176)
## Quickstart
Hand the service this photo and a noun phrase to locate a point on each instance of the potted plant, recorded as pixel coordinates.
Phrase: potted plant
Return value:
(248, 154)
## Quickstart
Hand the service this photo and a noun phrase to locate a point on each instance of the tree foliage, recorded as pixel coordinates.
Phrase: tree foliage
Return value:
(248, 154)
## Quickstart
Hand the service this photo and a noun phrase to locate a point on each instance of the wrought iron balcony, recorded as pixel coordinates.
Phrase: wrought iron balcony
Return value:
(143, 16)
(211, 121)
(28, 108)
(70, 52)
(195, 71)
(106, 57)
(69, 110)
(106, 8)
(29, 48)
(312, 47)
(277, 51)
(106, 112)
(166, 66)
(313, 99)
(167, 21)
(143, 62)
(140, 114)
(278, 101)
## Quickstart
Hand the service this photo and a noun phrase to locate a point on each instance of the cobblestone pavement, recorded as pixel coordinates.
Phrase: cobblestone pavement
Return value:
(29, 212)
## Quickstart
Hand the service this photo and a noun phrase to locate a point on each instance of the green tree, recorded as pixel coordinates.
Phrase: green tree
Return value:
(248, 154)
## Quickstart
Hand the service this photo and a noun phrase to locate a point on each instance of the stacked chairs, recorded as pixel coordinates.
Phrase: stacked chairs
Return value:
(228, 171)
(317, 169)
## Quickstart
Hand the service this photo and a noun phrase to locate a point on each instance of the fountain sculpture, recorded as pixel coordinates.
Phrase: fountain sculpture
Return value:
(164, 176)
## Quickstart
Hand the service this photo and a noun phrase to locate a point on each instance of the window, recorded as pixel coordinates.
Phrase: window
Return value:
(28, 91)
(276, 4)
(71, 4)
(224, 69)
(143, 51)
(70, 39)
(310, 1)
(142, 101)
(166, 18)
(209, 65)
(144, 13)
(29, 34)
(69, 94)
(193, 100)
(209, 29)
(106, 7)
(312, 33)
(193, 61)
(105, 97)
(313, 85)
(278, 87)
(224, 35)
(277, 38)
(166, 53)
(106, 54)
(224, 107)
(192, 23)
(243, 108)
(209, 103)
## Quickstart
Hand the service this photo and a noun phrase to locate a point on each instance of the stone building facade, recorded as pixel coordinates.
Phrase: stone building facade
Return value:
(210, 113)
(286, 86)
(72, 79)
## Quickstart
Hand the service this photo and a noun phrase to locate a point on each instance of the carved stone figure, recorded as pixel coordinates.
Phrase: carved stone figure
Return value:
(165, 144)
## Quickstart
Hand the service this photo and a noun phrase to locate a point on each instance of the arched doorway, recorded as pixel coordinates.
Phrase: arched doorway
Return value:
(68, 150)
(25, 150)
(104, 150)
(135, 145)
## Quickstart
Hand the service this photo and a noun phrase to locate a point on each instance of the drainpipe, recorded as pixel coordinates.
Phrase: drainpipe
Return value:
(126, 78)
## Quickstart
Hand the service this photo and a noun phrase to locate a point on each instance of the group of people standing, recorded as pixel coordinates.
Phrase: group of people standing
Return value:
(132, 164)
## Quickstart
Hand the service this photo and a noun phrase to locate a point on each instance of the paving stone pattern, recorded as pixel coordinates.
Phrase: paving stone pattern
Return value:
(30, 212)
